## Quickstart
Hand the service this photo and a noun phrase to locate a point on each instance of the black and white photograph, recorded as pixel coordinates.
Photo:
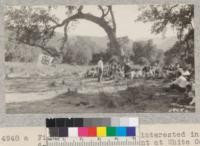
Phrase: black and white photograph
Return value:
(99, 59)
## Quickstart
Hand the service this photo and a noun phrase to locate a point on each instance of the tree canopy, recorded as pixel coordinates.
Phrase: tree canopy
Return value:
(35, 26)
(145, 52)
(179, 17)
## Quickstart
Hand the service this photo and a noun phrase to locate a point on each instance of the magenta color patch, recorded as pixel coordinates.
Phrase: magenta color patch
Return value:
(82, 132)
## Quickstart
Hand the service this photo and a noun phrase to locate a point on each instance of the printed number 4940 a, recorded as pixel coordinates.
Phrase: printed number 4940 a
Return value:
(10, 138)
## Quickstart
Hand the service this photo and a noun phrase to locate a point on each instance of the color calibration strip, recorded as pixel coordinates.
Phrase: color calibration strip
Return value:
(92, 132)
(92, 127)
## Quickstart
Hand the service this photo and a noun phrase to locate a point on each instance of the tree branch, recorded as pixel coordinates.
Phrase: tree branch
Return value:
(41, 38)
(103, 11)
(113, 18)
(51, 52)
(65, 37)
(80, 9)
(111, 31)
(106, 13)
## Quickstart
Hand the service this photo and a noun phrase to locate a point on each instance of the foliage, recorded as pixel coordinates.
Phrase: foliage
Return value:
(181, 52)
(124, 45)
(96, 56)
(20, 53)
(70, 56)
(171, 56)
(92, 45)
(145, 52)
(30, 25)
(83, 56)
(179, 17)
(143, 61)
(35, 26)
(79, 51)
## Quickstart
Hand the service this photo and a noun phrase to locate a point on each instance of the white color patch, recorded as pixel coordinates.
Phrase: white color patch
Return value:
(124, 122)
(133, 122)
(73, 132)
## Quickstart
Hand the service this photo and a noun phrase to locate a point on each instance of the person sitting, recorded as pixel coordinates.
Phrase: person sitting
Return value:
(139, 73)
(180, 83)
(188, 97)
(186, 72)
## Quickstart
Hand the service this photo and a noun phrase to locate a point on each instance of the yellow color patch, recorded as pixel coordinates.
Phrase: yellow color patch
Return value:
(101, 131)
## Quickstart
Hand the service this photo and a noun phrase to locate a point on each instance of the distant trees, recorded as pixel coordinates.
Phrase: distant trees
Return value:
(79, 51)
(20, 53)
(125, 47)
(79, 56)
(145, 52)
(173, 55)
(69, 56)
(96, 56)
(83, 57)
(143, 61)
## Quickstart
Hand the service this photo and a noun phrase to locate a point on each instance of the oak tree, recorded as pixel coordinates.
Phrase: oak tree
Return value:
(35, 26)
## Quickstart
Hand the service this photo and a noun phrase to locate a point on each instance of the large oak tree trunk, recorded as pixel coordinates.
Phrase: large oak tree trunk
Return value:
(114, 45)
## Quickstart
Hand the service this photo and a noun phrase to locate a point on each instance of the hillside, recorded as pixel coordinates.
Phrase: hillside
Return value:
(162, 43)
(84, 44)
(99, 44)
(96, 44)
(165, 44)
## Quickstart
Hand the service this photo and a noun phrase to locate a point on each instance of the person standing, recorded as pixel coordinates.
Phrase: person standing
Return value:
(127, 69)
(100, 69)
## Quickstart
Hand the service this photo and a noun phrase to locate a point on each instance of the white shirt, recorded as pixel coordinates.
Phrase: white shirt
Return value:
(100, 64)
(181, 81)
(186, 73)
(180, 70)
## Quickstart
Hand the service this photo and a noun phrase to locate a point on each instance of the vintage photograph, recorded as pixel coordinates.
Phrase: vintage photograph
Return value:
(99, 59)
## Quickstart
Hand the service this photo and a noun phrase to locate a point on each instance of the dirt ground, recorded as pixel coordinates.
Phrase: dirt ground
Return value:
(68, 92)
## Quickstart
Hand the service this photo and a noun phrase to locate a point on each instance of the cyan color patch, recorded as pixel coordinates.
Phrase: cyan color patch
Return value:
(120, 131)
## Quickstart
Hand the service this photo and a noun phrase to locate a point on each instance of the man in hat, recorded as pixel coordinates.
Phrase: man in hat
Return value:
(100, 69)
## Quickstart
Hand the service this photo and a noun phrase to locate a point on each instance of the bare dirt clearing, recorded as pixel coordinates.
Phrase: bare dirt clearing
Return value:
(66, 92)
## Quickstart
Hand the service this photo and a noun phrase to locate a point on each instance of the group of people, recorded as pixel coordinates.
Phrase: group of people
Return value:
(182, 78)
(147, 71)
(111, 70)
(125, 70)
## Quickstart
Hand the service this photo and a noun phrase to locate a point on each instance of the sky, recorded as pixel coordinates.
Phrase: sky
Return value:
(125, 16)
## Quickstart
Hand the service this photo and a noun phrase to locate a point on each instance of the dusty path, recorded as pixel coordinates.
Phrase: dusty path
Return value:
(23, 90)
(143, 96)
(29, 96)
